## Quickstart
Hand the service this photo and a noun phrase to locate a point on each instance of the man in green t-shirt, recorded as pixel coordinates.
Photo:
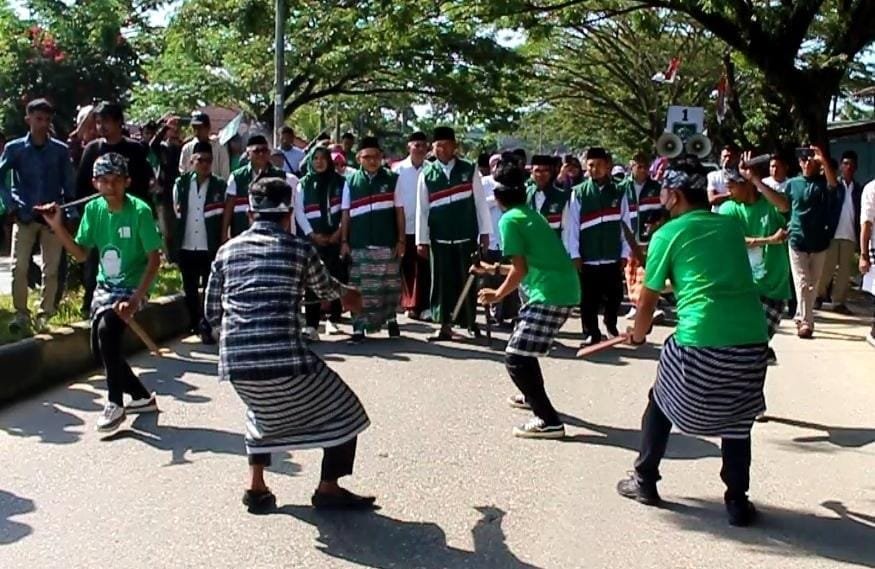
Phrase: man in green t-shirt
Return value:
(543, 270)
(122, 230)
(764, 225)
(711, 371)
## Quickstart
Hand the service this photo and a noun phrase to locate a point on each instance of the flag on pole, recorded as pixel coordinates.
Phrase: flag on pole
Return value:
(722, 97)
(670, 73)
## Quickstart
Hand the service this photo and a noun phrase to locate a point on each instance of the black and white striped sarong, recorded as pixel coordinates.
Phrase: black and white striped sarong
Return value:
(314, 410)
(536, 327)
(711, 391)
(774, 310)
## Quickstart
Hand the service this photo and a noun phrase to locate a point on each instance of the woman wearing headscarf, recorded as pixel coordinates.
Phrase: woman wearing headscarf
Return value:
(317, 213)
(711, 370)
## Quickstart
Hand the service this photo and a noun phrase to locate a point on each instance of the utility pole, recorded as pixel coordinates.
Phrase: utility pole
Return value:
(280, 70)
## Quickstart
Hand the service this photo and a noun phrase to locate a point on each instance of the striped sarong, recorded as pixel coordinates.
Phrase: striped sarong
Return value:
(376, 273)
(711, 391)
(536, 328)
(774, 310)
(313, 410)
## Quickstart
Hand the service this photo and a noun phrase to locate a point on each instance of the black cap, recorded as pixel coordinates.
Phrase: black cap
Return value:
(542, 160)
(202, 148)
(369, 142)
(444, 133)
(417, 136)
(597, 153)
(200, 118)
(256, 140)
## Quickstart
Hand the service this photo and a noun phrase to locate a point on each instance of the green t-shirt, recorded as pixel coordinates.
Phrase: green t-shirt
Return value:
(123, 239)
(704, 257)
(769, 263)
(811, 229)
(551, 278)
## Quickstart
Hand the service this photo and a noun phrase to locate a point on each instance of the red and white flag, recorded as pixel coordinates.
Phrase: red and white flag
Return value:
(670, 74)
(723, 93)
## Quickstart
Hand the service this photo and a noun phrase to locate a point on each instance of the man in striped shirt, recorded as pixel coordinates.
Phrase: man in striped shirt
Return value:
(294, 400)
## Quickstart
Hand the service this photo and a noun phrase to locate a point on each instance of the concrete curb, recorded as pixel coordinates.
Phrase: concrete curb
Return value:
(45, 360)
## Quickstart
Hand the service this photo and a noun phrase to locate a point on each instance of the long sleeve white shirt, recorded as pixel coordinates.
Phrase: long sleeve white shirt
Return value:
(484, 219)
(408, 178)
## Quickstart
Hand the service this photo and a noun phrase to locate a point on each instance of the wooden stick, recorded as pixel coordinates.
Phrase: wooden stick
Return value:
(80, 201)
(463, 297)
(144, 337)
(602, 346)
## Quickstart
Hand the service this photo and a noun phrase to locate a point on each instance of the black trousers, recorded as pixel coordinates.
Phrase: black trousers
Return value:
(337, 461)
(120, 379)
(338, 269)
(655, 430)
(89, 279)
(195, 269)
(525, 371)
(600, 285)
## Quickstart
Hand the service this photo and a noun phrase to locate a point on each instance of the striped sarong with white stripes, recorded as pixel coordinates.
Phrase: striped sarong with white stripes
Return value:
(315, 410)
(376, 272)
(774, 310)
(711, 391)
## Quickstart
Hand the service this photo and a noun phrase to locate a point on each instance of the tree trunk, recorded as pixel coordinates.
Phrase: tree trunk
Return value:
(810, 94)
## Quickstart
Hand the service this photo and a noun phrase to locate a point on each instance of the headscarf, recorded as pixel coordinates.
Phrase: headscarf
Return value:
(324, 181)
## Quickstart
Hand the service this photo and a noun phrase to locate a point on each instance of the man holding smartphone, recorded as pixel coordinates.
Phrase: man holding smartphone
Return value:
(811, 229)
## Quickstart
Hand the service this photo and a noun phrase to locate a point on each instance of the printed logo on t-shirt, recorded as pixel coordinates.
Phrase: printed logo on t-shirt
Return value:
(124, 232)
(111, 261)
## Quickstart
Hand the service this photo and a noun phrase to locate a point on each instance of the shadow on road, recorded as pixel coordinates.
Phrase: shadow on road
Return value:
(845, 437)
(847, 538)
(373, 540)
(680, 447)
(180, 441)
(399, 349)
(11, 506)
(46, 419)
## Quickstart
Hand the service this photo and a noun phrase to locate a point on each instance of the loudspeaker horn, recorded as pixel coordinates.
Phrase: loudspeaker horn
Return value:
(669, 145)
(699, 145)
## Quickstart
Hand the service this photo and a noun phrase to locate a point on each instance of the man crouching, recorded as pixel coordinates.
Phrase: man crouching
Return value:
(294, 400)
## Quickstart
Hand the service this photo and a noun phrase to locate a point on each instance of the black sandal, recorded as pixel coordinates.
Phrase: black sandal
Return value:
(345, 500)
(259, 502)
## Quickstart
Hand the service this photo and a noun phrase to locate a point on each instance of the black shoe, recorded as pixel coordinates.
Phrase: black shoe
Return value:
(636, 489)
(394, 330)
(742, 512)
(357, 338)
(842, 309)
(612, 331)
(259, 502)
(346, 500)
(771, 357)
(818, 303)
(475, 332)
(207, 338)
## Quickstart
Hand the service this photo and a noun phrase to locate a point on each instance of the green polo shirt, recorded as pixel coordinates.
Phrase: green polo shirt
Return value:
(551, 277)
(811, 229)
(704, 256)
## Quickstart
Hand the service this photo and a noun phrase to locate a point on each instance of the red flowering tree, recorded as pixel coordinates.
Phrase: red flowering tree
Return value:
(70, 54)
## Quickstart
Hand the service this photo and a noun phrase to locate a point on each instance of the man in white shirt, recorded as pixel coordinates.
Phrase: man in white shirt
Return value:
(198, 202)
(839, 264)
(452, 221)
(292, 155)
(718, 192)
(778, 177)
(867, 243)
(200, 123)
(415, 271)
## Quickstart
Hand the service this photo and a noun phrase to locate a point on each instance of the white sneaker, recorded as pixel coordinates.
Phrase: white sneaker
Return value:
(111, 417)
(331, 328)
(870, 337)
(537, 429)
(631, 314)
(518, 401)
(147, 405)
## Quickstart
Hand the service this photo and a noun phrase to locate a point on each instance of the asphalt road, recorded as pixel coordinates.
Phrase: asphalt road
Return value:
(456, 489)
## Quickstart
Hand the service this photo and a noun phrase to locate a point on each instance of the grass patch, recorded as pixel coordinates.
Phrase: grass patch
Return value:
(167, 282)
